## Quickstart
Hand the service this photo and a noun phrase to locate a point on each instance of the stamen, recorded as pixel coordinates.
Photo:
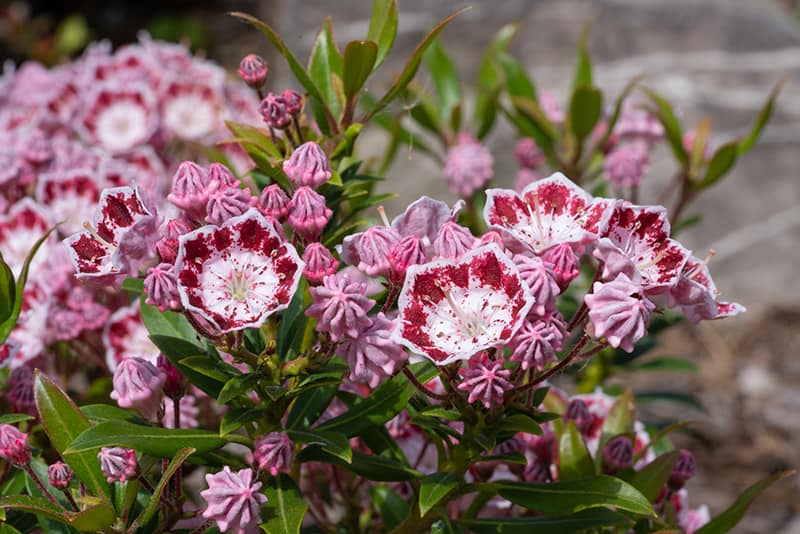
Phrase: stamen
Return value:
(382, 213)
(94, 233)
(697, 268)
(536, 216)
(654, 261)
(473, 327)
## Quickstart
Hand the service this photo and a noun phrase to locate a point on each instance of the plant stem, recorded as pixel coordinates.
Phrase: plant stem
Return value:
(420, 386)
(556, 368)
(68, 495)
(42, 488)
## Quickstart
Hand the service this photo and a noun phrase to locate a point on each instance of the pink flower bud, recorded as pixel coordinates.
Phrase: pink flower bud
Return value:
(524, 178)
(319, 263)
(537, 472)
(20, 391)
(565, 264)
(273, 111)
(340, 307)
(373, 356)
(274, 202)
(162, 288)
(225, 203)
(137, 384)
(14, 446)
(617, 455)
(369, 251)
(626, 165)
(407, 252)
(308, 165)
(618, 312)
(453, 241)
(233, 500)
(253, 70)
(537, 341)
(222, 175)
(167, 246)
(118, 464)
(308, 214)
(190, 189)
(59, 475)
(683, 470)
(273, 453)
(468, 166)
(485, 380)
(294, 102)
(541, 281)
(578, 412)
(175, 383)
(528, 153)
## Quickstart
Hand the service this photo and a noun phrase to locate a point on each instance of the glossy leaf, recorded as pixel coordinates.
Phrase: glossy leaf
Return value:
(672, 128)
(519, 423)
(578, 522)
(574, 461)
(728, 519)
(133, 285)
(722, 161)
(445, 79)
(763, 117)
(383, 28)
(158, 442)
(489, 80)
(585, 109)
(410, 70)
(667, 363)
(359, 58)
(332, 442)
(63, 422)
(297, 69)
(435, 487)
(324, 63)
(308, 406)
(285, 508)
(168, 324)
(13, 418)
(369, 466)
(95, 518)
(620, 418)
(650, 479)
(518, 83)
(236, 418)
(33, 505)
(569, 497)
(155, 500)
(583, 63)
(345, 148)
(392, 508)
(97, 413)
(8, 290)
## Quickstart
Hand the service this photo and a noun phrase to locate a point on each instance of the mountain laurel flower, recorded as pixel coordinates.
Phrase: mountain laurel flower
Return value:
(541, 281)
(233, 500)
(369, 250)
(373, 355)
(617, 455)
(308, 214)
(161, 288)
(253, 70)
(565, 264)
(468, 166)
(450, 311)
(273, 109)
(341, 306)
(137, 385)
(537, 341)
(59, 475)
(528, 153)
(452, 241)
(319, 263)
(618, 312)
(409, 251)
(294, 102)
(190, 189)
(14, 446)
(308, 165)
(697, 294)
(273, 453)
(118, 464)
(626, 164)
(167, 246)
(274, 202)
(225, 203)
(236, 275)
(683, 470)
(485, 380)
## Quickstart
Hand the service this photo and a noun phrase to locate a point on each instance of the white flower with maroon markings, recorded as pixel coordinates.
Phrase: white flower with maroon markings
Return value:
(638, 245)
(119, 118)
(547, 213)
(24, 224)
(125, 336)
(237, 274)
(191, 111)
(696, 294)
(70, 196)
(122, 235)
(450, 311)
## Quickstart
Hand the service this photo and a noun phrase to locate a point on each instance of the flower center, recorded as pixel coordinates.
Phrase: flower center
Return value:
(239, 286)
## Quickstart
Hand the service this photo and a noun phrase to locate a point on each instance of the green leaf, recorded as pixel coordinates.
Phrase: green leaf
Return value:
(332, 442)
(574, 461)
(392, 508)
(33, 505)
(763, 117)
(236, 418)
(10, 321)
(168, 324)
(445, 79)
(285, 508)
(585, 109)
(155, 499)
(489, 79)
(672, 128)
(667, 363)
(519, 423)
(63, 422)
(433, 488)
(324, 63)
(257, 137)
(369, 466)
(686, 399)
(728, 519)
(651, 478)
(97, 413)
(309, 405)
(569, 497)
(297, 69)
(585, 520)
(518, 83)
(133, 285)
(620, 418)
(359, 58)
(383, 28)
(345, 148)
(8, 290)
(95, 518)
(583, 63)
(721, 162)
(236, 387)
(13, 418)
(158, 442)
(411, 66)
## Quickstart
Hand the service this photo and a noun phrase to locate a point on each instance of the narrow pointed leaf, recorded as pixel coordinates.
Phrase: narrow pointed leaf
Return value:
(13, 418)
(359, 58)
(617, 112)
(650, 479)
(95, 518)
(518, 83)
(63, 422)
(383, 28)
(325, 61)
(578, 522)
(721, 162)
(33, 505)
(763, 117)
(332, 442)
(391, 507)
(574, 461)
(445, 78)
(8, 290)
(672, 128)
(583, 63)
(489, 80)
(155, 499)
(285, 508)
(433, 488)
(585, 109)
